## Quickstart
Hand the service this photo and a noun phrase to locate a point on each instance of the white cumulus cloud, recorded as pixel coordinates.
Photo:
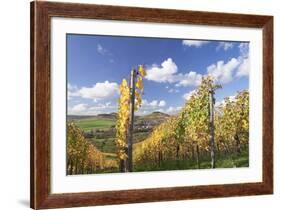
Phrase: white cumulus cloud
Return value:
(168, 73)
(188, 95)
(223, 72)
(86, 109)
(225, 46)
(101, 90)
(222, 102)
(244, 68)
(244, 49)
(173, 110)
(172, 90)
(163, 73)
(151, 106)
(194, 43)
(162, 103)
(71, 91)
(153, 103)
(101, 50)
(78, 109)
(189, 79)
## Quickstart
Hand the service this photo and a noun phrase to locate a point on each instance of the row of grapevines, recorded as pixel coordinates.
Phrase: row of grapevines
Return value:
(187, 135)
(82, 156)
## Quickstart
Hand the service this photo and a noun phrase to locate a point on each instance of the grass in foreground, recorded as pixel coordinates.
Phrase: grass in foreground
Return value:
(230, 161)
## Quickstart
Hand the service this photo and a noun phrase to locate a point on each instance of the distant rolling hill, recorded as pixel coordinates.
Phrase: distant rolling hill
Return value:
(154, 116)
(112, 116)
(100, 129)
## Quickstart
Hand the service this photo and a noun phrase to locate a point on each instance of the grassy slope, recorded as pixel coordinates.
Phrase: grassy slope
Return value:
(230, 161)
(91, 123)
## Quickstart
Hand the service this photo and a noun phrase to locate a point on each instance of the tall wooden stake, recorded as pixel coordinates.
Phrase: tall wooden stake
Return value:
(212, 128)
(131, 121)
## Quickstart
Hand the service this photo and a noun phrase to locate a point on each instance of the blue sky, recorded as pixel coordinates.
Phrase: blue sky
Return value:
(97, 64)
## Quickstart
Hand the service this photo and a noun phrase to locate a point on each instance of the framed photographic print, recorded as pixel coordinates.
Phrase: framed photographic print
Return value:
(140, 105)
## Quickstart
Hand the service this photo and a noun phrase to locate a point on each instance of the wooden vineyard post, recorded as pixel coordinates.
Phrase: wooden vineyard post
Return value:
(212, 128)
(131, 120)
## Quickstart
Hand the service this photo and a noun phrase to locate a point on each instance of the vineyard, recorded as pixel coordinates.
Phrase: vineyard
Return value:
(204, 134)
(186, 140)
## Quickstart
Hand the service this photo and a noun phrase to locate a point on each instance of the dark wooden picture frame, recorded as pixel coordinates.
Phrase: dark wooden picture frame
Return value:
(41, 14)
